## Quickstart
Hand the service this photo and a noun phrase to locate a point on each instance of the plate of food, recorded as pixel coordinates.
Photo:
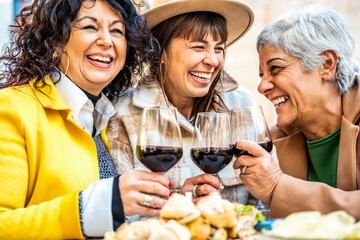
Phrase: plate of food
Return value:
(211, 218)
(311, 225)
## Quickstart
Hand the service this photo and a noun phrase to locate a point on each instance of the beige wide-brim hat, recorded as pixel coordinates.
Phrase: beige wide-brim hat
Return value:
(239, 17)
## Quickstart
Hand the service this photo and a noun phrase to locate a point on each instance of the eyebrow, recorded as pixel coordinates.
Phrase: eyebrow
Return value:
(204, 41)
(273, 59)
(95, 19)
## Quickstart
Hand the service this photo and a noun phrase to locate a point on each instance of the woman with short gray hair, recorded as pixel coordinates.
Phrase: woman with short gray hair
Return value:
(309, 72)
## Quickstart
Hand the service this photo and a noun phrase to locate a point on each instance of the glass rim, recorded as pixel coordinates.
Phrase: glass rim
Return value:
(212, 113)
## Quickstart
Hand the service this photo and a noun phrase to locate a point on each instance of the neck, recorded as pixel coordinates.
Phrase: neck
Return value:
(184, 106)
(325, 121)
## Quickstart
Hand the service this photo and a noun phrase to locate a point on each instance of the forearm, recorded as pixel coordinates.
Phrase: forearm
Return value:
(293, 195)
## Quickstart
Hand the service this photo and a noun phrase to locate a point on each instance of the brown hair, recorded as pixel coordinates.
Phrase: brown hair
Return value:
(195, 25)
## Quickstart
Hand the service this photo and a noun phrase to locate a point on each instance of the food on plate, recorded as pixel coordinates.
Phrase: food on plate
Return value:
(219, 234)
(220, 212)
(314, 225)
(200, 229)
(179, 208)
(211, 218)
(152, 229)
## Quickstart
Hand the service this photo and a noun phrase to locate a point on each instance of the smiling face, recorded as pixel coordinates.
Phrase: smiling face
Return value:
(96, 48)
(191, 67)
(297, 95)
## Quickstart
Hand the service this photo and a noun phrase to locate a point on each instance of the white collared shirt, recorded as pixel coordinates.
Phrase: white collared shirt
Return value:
(98, 196)
(82, 109)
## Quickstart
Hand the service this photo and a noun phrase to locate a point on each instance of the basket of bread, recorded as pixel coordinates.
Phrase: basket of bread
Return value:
(211, 218)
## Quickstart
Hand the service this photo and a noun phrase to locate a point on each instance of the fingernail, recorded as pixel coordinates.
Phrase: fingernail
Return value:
(221, 186)
(170, 193)
(170, 184)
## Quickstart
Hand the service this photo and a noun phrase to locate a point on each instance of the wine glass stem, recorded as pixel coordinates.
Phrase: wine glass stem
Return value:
(218, 177)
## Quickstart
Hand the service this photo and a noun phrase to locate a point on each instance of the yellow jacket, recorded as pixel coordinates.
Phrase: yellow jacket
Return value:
(45, 160)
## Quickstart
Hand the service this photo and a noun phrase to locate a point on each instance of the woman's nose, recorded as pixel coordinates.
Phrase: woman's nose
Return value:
(265, 86)
(211, 59)
(105, 39)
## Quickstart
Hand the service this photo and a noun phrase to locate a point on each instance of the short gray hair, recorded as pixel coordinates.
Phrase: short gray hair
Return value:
(306, 33)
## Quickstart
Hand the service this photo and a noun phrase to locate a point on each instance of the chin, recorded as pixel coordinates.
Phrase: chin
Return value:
(200, 93)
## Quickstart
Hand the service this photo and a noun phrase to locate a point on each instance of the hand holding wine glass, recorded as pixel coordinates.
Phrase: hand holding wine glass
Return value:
(248, 123)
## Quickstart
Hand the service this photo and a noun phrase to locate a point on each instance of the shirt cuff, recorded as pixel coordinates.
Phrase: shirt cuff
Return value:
(97, 208)
(117, 206)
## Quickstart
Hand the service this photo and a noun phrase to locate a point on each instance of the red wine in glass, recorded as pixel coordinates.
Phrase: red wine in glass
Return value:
(159, 144)
(268, 145)
(159, 158)
(210, 147)
(211, 160)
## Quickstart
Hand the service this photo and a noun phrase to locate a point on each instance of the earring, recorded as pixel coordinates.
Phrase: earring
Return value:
(66, 70)
(68, 63)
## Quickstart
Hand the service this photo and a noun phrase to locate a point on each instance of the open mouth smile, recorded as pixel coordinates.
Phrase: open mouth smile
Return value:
(100, 59)
(201, 77)
(279, 100)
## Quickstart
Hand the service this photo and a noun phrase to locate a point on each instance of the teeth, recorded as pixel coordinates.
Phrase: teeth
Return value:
(279, 100)
(201, 76)
(100, 58)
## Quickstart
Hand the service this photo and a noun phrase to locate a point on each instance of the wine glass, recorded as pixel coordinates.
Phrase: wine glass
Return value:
(159, 144)
(211, 150)
(249, 123)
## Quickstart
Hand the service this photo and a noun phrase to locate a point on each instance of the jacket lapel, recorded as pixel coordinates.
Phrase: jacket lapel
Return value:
(48, 96)
(346, 176)
(292, 150)
(346, 173)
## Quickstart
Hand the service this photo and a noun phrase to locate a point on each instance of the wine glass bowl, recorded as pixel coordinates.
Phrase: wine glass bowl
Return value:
(211, 150)
(159, 144)
(249, 123)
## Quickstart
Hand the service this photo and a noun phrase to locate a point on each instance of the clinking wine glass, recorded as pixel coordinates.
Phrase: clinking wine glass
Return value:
(159, 144)
(249, 123)
(211, 150)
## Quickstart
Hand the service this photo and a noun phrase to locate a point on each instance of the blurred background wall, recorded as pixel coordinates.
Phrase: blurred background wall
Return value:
(242, 58)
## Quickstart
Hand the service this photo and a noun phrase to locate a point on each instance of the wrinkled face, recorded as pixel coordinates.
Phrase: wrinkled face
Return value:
(192, 65)
(96, 47)
(294, 92)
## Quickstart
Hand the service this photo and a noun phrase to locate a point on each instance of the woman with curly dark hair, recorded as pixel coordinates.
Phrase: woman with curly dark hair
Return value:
(65, 61)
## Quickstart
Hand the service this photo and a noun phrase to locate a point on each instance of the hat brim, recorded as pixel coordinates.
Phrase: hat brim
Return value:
(239, 17)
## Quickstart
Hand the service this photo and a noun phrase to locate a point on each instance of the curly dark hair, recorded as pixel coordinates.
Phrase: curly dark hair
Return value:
(42, 29)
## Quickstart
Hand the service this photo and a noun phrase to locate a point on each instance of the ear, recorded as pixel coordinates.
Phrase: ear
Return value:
(330, 60)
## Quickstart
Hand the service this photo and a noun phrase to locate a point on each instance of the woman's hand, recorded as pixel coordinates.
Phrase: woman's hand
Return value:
(205, 183)
(137, 189)
(259, 172)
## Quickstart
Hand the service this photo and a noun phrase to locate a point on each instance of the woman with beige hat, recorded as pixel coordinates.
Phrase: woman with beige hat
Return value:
(193, 36)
